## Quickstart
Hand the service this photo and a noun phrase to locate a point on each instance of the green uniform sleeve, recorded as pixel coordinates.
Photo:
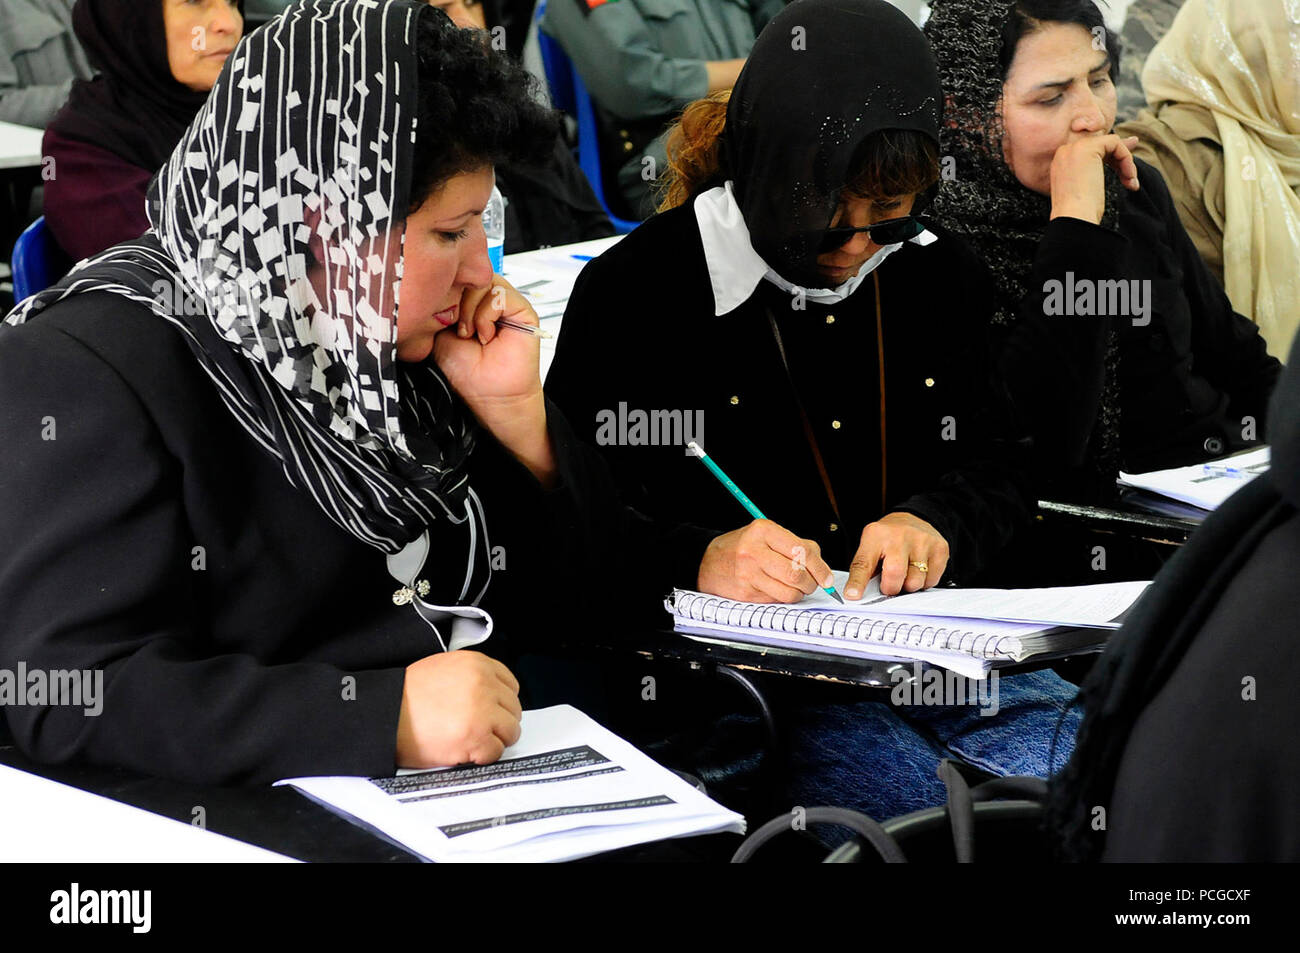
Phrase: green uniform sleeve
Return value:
(618, 50)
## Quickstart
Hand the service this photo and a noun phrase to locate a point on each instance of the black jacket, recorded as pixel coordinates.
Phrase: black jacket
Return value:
(1194, 381)
(640, 334)
(1189, 736)
(145, 533)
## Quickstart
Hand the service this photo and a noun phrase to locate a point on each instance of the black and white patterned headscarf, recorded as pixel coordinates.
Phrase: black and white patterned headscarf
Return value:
(308, 133)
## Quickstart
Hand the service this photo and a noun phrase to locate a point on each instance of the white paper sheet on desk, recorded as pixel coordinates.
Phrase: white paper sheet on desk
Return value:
(569, 788)
(547, 291)
(546, 276)
(1100, 606)
(43, 821)
(1195, 486)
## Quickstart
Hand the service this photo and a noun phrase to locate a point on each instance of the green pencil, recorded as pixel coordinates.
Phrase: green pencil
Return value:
(744, 501)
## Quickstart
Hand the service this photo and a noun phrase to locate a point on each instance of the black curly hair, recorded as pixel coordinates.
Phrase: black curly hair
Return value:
(476, 108)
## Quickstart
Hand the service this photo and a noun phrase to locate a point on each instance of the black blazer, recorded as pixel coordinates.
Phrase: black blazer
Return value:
(148, 535)
(640, 334)
(1189, 378)
(1188, 739)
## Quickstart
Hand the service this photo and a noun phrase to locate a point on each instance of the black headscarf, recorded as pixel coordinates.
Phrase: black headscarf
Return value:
(1143, 655)
(134, 107)
(823, 75)
(984, 203)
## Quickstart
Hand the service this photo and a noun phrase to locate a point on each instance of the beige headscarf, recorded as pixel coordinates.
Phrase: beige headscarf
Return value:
(1224, 127)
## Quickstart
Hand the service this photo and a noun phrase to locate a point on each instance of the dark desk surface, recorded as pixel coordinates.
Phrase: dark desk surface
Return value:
(669, 646)
(1127, 519)
(282, 820)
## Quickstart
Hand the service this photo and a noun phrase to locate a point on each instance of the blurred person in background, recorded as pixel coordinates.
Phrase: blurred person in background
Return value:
(550, 203)
(157, 60)
(1223, 129)
(39, 59)
(643, 61)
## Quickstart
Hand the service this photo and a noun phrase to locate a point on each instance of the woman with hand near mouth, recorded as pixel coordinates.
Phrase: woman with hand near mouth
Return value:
(303, 502)
(1050, 197)
(155, 61)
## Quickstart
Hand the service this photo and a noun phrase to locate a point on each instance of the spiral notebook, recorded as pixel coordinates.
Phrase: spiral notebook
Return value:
(970, 647)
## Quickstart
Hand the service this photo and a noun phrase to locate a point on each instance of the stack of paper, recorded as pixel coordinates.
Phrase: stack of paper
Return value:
(970, 631)
(1102, 606)
(569, 788)
(1204, 486)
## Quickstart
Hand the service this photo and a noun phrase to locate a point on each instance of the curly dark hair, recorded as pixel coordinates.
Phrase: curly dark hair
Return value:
(476, 108)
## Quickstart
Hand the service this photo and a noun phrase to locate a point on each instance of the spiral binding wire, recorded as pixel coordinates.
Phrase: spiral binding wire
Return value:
(795, 621)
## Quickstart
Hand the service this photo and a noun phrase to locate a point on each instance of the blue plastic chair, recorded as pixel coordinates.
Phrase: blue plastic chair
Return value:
(36, 260)
(568, 94)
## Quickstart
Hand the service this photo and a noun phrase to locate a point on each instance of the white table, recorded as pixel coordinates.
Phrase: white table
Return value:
(546, 276)
(20, 146)
(47, 822)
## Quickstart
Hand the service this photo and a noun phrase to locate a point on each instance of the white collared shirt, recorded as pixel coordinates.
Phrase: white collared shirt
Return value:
(735, 269)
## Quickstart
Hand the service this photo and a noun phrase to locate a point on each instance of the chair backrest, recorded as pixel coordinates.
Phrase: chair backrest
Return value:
(556, 65)
(34, 260)
(569, 94)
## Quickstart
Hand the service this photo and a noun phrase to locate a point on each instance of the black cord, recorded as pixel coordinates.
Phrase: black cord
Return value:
(860, 824)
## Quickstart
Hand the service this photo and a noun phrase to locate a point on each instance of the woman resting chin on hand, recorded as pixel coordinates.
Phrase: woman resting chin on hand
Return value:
(268, 512)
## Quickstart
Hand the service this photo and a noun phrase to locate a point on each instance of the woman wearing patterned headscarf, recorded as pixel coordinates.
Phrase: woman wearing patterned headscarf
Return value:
(155, 61)
(1224, 131)
(1122, 350)
(262, 463)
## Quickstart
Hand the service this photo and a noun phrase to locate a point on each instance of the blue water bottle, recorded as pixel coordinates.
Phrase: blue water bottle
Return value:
(494, 226)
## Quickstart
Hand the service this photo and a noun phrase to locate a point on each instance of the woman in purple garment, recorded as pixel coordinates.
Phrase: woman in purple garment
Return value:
(156, 61)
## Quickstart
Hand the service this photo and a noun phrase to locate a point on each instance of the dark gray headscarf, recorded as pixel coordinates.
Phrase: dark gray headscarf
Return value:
(984, 202)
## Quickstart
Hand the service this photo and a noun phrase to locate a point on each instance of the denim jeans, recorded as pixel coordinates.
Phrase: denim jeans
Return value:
(882, 759)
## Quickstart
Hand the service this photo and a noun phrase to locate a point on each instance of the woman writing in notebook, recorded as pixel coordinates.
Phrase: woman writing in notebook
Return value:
(258, 482)
(825, 334)
(834, 345)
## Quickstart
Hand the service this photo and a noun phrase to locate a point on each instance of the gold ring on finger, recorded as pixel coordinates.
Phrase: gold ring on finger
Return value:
(919, 567)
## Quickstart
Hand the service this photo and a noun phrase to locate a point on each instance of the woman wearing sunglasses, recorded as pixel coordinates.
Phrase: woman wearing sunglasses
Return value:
(826, 347)
(790, 299)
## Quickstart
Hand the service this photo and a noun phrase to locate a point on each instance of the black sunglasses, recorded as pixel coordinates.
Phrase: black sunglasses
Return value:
(889, 232)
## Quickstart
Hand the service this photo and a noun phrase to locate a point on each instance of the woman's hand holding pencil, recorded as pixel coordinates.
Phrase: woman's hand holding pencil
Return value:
(763, 562)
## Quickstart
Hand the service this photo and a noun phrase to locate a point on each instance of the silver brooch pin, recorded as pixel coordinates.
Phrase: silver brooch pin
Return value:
(404, 595)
